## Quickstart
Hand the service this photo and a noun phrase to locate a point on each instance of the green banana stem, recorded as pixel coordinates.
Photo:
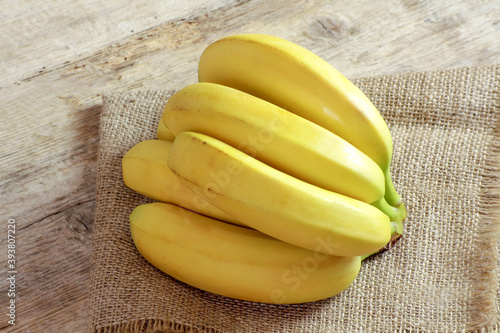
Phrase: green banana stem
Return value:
(391, 205)
(397, 215)
(391, 196)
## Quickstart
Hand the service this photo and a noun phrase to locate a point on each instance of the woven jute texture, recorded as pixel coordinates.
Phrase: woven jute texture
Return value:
(442, 276)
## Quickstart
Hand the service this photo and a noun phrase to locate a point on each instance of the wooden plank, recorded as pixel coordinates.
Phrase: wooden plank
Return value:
(52, 283)
(54, 76)
(37, 39)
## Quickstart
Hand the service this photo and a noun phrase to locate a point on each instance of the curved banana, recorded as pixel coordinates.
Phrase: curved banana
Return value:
(145, 170)
(234, 261)
(276, 137)
(273, 202)
(297, 80)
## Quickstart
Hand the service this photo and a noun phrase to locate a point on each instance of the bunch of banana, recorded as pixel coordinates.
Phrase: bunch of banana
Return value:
(272, 176)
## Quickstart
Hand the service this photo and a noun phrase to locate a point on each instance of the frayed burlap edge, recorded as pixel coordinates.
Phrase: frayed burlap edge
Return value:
(486, 308)
(154, 326)
(161, 326)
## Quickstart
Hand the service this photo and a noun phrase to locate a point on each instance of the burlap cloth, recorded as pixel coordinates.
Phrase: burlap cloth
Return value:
(441, 277)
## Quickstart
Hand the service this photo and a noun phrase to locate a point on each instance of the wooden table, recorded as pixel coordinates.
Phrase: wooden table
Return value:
(57, 58)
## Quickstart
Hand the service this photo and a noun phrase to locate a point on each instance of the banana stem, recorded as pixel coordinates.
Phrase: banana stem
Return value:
(391, 196)
(392, 206)
(397, 215)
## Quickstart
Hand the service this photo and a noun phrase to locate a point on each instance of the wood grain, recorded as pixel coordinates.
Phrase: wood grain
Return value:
(60, 57)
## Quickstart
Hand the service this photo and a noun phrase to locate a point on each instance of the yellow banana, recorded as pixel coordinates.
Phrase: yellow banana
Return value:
(234, 261)
(276, 137)
(274, 202)
(297, 80)
(163, 133)
(145, 170)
